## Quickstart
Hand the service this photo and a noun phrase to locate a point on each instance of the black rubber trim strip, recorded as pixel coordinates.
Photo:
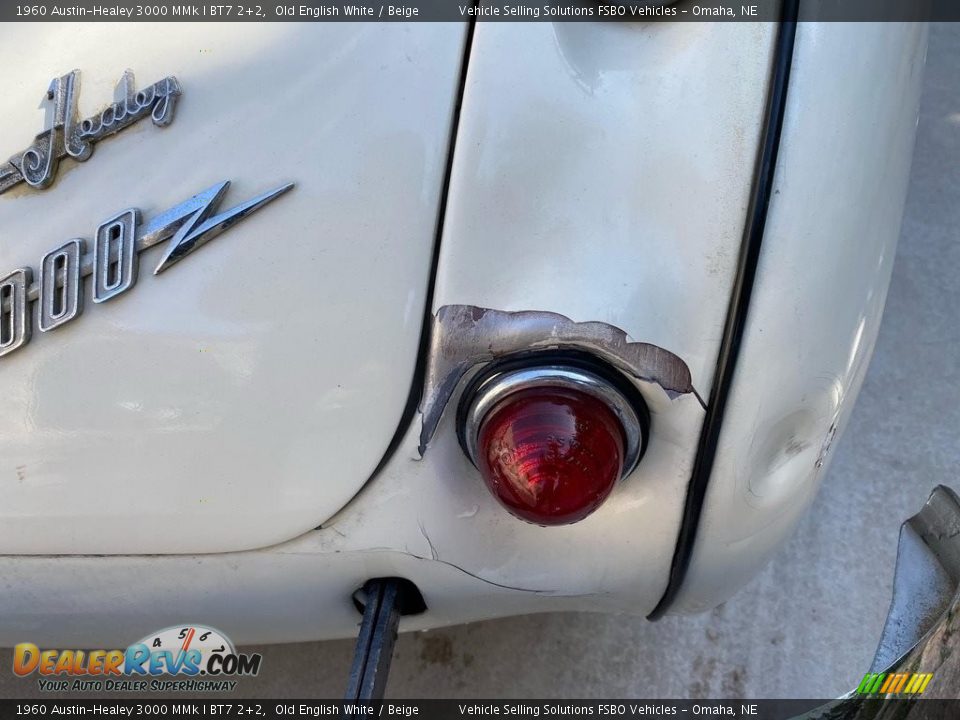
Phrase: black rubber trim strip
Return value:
(423, 350)
(738, 308)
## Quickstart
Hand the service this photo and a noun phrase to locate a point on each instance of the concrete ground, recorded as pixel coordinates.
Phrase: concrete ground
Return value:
(809, 624)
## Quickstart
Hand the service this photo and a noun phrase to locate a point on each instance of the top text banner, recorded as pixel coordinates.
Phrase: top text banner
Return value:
(485, 11)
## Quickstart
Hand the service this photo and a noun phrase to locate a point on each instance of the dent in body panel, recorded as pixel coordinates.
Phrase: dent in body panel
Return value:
(822, 280)
(464, 336)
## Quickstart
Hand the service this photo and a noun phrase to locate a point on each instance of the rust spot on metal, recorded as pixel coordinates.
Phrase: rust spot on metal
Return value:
(464, 336)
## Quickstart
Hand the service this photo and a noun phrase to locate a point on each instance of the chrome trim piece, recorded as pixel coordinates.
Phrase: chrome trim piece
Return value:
(65, 281)
(115, 256)
(114, 262)
(926, 581)
(497, 387)
(15, 310)
(69, 136)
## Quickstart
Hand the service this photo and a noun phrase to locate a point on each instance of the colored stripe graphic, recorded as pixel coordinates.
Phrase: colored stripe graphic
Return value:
(894, 683)
(891, 680)
(870, 683)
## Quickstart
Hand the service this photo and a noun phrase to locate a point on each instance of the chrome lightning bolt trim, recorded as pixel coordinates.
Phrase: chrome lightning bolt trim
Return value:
(200, 228)
(189, 227)
(113, 263)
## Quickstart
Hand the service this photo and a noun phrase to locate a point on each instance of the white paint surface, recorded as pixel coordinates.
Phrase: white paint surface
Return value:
(243, 396)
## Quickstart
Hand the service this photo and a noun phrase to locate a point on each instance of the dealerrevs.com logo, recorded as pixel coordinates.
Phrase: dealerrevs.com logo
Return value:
(183, 658)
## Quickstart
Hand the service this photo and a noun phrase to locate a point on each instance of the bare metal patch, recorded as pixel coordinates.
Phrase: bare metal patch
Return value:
(464, 336)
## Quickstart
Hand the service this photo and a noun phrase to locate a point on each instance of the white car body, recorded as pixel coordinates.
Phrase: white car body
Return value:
(237, 442)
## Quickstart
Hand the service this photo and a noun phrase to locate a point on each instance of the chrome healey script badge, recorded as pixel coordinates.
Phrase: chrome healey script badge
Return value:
(114, 262)
(37, 165)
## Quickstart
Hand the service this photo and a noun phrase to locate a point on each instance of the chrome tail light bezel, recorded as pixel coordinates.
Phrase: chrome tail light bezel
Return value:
(578, 371)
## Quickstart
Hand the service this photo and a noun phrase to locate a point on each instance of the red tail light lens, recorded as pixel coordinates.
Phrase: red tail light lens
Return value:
(550, 455)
